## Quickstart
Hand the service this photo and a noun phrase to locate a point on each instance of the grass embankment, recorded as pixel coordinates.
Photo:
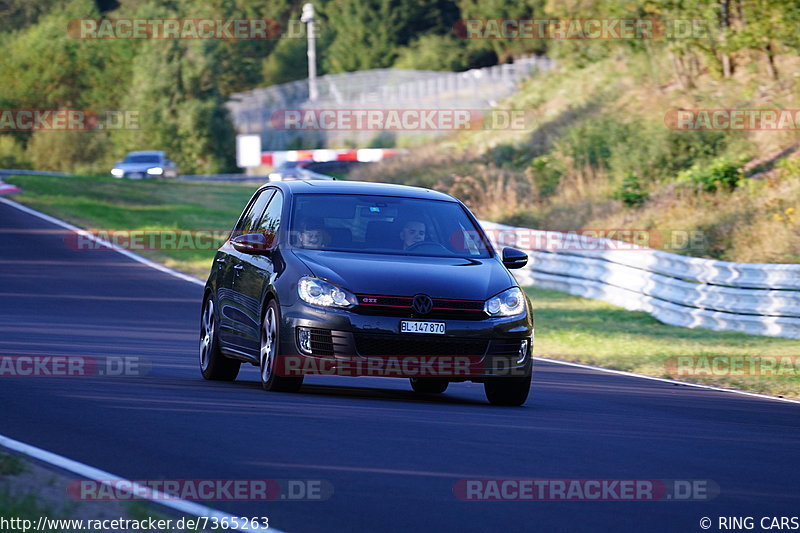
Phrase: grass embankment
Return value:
(152, 205)
(597, 333)
(599, 155)
(30, 491)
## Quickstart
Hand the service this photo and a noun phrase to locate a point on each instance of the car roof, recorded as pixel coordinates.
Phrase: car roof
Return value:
(359, 187)
(147, 152)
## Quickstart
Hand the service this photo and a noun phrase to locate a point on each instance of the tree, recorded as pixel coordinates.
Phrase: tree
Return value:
(367, 34)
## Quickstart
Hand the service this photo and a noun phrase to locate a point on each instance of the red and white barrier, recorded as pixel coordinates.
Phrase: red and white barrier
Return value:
(6, 188)
(365, 155)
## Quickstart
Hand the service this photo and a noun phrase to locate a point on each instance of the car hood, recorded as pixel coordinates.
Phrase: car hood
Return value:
(438, 277)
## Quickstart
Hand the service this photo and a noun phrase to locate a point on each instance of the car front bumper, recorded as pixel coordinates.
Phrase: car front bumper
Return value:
(351, 344)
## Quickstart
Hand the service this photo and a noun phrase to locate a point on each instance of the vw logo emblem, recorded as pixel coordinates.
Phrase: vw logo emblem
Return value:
(422, 304)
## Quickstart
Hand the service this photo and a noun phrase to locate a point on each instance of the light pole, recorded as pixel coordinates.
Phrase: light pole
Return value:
(308, 18)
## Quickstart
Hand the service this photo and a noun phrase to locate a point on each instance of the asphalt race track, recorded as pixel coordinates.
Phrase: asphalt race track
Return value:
(392, 456)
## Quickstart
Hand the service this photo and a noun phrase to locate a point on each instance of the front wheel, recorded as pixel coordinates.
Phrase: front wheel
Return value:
(270, 342)
(508, 391)
(429, 385)
(214, 365)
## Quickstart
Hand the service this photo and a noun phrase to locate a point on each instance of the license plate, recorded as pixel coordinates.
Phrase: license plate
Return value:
(416, 326)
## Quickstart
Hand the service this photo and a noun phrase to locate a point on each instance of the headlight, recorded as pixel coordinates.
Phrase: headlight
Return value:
(117, 172)
(507, 303)
(320, 292)
(155, 171)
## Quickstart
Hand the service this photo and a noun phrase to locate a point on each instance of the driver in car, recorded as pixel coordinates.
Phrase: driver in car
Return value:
(413, 232)
(312, 234)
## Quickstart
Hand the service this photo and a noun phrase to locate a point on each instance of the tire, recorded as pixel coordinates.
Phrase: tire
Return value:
(213, 364)
(269, 353)
(508, 391)
(429, 385)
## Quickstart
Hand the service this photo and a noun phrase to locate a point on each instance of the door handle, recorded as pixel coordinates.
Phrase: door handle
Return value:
(239, 267)
(221, 260)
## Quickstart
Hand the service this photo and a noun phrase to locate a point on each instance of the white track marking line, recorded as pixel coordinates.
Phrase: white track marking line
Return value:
(103, 242)
(95, 474)
(666, 380)
(80, 468)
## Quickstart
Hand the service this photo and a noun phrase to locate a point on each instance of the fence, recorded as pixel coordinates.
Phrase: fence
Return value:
(762, 299)
(375, 89)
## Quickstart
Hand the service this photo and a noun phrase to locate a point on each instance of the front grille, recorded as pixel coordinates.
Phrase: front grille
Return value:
(400, 306)
(394, 345)
(508, 347)
(321, 342)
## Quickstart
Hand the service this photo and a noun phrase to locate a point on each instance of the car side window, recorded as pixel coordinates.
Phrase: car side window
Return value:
(248, 222)
(271, 220)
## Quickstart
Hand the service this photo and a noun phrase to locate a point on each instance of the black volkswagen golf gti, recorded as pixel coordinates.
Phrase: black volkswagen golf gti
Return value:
(366, 279)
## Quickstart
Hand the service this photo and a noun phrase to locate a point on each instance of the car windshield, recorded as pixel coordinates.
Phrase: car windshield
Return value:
(384, 225)
(142, 159)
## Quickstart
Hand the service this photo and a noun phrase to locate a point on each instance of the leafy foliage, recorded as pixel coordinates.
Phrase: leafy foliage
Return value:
(179, 87)
(631, 192)
(722, 174)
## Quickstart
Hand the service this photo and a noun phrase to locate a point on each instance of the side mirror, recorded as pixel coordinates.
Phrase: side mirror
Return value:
(513, 258)
(253, 243)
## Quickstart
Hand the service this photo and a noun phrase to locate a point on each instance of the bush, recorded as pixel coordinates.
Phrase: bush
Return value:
(631, 192)
(722, 174)
(70, 151)
(12, 154)
(789, 167)
(433, 52)
(545, 173)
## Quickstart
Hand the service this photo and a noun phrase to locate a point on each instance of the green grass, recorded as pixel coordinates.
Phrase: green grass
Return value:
(11, 465)
(567, 327)
(597, 333)
(23, 507)
(109, 203)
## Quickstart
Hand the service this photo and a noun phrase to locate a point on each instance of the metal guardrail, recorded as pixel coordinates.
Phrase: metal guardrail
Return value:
(187, 177)
(755, 298)
(222, 177)
(19, 172)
